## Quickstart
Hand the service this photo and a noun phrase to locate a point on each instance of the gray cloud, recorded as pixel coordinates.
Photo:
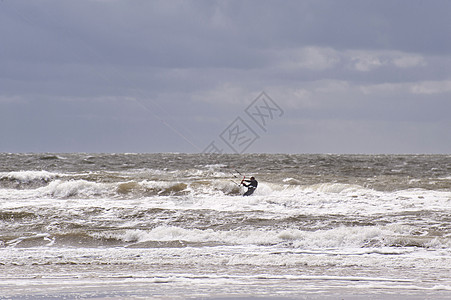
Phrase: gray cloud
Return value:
(148, 76)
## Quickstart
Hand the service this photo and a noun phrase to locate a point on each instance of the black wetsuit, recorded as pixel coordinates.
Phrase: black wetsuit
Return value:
(250, 187)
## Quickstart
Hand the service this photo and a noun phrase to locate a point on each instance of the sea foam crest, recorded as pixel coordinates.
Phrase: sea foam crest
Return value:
(72, 188)
(28, 176)
(334, 187)
(336, 238)
(152, 188)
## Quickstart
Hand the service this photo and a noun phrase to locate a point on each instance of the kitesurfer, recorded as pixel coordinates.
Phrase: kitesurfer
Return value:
(250, 187)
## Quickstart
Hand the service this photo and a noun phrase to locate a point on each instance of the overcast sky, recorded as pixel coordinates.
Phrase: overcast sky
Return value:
(174, 76)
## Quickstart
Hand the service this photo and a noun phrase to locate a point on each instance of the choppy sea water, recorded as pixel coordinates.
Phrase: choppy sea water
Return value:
(176, 226)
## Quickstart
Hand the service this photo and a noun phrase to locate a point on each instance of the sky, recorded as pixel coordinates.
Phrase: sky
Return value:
(320, 76)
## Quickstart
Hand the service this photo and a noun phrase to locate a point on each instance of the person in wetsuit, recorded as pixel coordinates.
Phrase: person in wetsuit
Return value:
(250, 187)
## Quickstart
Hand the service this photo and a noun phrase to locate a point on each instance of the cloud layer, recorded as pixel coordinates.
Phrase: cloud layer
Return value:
(158, 76)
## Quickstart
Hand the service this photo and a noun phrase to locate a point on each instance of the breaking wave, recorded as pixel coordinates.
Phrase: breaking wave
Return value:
(377, 239)
(26, 179)
(338, 238)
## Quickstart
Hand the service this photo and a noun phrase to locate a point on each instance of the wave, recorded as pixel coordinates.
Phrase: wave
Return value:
(201, 188)
(370, 238)
(51, 157)
(36, 184)
(335, 188)
(70, 239)
(26, 179)
(152, 188)
(171, 236)
(75, 188)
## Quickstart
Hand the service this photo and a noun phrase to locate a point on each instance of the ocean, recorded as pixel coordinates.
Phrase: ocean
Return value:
(176, 226)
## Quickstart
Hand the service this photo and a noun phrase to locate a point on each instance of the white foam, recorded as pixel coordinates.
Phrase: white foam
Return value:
(72, 188)
(28, 176)
(334, 188)
(336, 238)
